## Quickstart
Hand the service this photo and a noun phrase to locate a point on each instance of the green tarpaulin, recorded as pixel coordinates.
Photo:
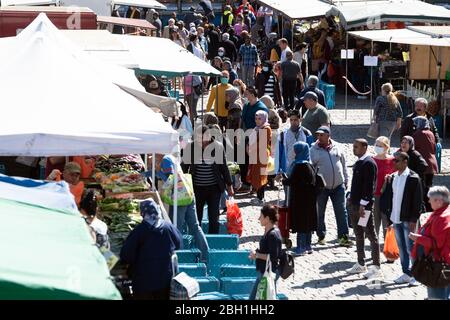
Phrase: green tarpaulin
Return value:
(45, 254)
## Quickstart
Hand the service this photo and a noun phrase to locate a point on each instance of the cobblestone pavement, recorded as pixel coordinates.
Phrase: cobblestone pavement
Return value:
(322, 275)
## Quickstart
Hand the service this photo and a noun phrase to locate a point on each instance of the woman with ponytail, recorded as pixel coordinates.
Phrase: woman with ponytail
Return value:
(388, 112)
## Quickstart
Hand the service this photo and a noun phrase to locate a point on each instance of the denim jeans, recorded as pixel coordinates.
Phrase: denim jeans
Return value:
(258, 279)
(188, 215)
(405, 244)
(304, 240)
(337, 196)
(439, 293)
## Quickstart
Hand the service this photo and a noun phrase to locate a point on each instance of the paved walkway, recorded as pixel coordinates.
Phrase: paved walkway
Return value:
(322, 275)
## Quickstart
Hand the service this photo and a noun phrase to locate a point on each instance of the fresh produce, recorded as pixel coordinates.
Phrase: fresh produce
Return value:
(233, 167)
(116, 164)
(121, 221)
(118, 205)
(122, 182)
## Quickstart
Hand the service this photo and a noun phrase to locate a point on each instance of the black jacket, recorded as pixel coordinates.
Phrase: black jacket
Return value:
(417, 163)
(412, 202)
(222, 174)
(230, 50)
(363, 182)
(408, 128)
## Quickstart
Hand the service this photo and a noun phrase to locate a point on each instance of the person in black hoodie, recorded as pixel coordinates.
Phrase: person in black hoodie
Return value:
(402, 202)
(213, 42)
(416, 162)
(361, 202)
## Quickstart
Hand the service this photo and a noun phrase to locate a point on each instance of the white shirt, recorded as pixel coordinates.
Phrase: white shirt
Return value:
(283, 54)
(398, 187)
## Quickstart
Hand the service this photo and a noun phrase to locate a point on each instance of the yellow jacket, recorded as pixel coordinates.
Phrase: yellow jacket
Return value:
(219, 89)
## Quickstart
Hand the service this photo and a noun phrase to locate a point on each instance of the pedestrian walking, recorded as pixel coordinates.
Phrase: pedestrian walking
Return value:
(217, 99)
(290, 74)
(316, 115)
(249, 59)
(387, 112)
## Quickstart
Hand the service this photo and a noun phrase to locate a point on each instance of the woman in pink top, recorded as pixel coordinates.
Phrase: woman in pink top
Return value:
(385, 164)
(240, 25)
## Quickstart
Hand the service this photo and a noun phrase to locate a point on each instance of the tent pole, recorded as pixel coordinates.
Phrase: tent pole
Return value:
(153, 171)
(192, 100)
(175, 195)
(346, 74)
(371, 85)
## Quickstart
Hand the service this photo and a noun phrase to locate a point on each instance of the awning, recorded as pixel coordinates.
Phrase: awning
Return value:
(410, 35)
(71, 107)
(49, 255)
(304, 9)
(5, 3)
(151, 4)
(371, 14)
(126, 22)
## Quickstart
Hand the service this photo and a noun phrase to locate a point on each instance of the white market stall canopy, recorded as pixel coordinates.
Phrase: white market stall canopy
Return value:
(369, 14)
(150, 4)
(56, 104)
(152, 55)
(5, 3)
(295, 9)
(422, 36)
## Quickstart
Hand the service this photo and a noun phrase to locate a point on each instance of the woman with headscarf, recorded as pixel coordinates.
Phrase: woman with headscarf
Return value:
(259, 148)
(267, 84)
(302, 198)
(426, 145)
(234, 106)
(185, 214)
(148, 253)
(416, 162)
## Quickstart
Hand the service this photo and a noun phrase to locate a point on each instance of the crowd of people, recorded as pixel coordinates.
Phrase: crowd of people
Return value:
(266, 114)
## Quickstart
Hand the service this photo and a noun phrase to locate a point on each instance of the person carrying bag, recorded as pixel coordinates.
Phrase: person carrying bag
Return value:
(266, 286)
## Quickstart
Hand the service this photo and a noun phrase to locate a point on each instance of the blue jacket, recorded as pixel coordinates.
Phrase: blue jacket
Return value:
(148, 252)
(248, 114)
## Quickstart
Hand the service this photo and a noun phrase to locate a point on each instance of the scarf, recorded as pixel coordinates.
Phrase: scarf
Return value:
(421, 123)
(290, 138)
(410, 141)
(151, 213)
(264, 115)
(301, 150)
(167, 167)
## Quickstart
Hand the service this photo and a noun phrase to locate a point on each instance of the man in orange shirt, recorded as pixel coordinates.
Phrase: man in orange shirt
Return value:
(71, 175)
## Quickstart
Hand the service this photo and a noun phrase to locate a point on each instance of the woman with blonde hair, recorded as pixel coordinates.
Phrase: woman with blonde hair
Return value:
(388, 112)
(386, 165)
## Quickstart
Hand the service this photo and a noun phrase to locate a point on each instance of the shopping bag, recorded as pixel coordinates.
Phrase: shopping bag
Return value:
(374, 130)
(185, 194)
(270, 166)
(266, 286)
(234, 218)
(390, 245)
(183, 287)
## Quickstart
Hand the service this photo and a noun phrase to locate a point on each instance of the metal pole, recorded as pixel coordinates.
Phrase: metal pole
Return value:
(175, 195)
(153, 172)
(371, 85)
(346, 75)
(292, 34)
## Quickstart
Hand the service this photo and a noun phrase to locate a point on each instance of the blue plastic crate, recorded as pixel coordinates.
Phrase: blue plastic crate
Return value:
(188, 256)
(233, 270)
(222, 225)
(234, 285)
(329, 90)
(439, 123)
(223, 241)
(193, 269)
(439, 156)
(280, 296)
(217, 258)
(212, 296)
(208, 284)
(187, 241)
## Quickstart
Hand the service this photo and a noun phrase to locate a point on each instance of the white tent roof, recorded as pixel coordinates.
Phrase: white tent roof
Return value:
(151, 4)
(368, 14)
(57, 104)
(403, 36)
(298, 9)
(161, 56)
(5, 3)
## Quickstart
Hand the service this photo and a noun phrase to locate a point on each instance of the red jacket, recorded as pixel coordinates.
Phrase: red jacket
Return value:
(436, 235)
(426, 145)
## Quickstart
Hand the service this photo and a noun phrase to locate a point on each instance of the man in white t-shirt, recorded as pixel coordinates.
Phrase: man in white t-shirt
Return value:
(284, 45)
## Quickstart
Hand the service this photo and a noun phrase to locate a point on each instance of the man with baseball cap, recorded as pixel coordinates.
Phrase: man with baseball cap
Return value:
(71, 175)
(328, 158)
(316, 115)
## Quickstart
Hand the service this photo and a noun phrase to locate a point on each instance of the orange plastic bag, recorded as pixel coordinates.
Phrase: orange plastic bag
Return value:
(234, 218)
(390, 245)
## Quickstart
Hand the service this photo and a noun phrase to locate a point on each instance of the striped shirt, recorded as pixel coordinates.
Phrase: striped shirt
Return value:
(269, 87)
(204, 175)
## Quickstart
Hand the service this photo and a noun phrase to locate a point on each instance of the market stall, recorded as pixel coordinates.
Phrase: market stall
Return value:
(137, 26)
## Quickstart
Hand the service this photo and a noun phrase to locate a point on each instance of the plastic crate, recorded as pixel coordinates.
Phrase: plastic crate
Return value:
(439, 156)
(439, 122)
(193, 269)
(188, 256)
(223, 241)
(218, 258)
(208, 284)
(235, 285)
(188, 241)
(212, 296)
(222, 225)
(233, 270)
(329, 90)
(280, 296)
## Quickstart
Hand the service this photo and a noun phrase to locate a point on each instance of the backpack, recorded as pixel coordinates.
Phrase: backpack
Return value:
(319, 180)
(286, 266)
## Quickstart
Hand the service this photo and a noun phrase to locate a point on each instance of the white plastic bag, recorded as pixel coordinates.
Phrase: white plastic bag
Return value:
(266, 286)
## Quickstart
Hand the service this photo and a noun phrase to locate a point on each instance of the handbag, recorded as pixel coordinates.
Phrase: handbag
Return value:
(185, 190)
(374, 130)
(287, 264)
(431, 272)
(183, 287)
(266, 286)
